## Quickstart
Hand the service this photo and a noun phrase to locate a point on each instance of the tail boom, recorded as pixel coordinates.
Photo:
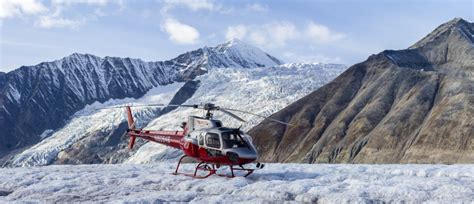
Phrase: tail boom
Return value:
(168, 138)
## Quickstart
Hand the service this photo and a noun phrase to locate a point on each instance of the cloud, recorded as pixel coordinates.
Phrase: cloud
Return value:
(279, 33)
(73, 2)
(256, 7)
(52, 21)
(61, 7)
(276, 33)
(179, 32)
(194, 5)
(238, 32)
(12, 8)
(56, 18)
(322, 34)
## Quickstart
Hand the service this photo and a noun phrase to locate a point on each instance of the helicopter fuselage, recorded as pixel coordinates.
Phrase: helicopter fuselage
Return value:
(205, 140)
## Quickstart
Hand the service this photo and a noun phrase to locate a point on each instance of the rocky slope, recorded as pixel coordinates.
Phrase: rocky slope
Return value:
(42, 97)
(406, 106)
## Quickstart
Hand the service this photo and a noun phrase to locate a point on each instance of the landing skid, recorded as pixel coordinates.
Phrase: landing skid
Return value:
(212, 169)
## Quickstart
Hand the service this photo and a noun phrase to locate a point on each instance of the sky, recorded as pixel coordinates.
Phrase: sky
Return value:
(345, 32)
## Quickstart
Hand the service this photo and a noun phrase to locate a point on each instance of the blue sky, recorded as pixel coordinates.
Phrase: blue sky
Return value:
(348, 31)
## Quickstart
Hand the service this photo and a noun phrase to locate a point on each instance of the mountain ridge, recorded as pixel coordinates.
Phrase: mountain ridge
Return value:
(407, 106)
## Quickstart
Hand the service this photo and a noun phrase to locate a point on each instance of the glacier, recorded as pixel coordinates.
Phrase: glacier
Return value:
(321, 183)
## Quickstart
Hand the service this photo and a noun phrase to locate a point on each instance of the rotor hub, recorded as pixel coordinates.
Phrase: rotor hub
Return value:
(210, 106)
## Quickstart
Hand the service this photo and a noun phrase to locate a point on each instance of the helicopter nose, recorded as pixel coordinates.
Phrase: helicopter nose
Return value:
(243, 153)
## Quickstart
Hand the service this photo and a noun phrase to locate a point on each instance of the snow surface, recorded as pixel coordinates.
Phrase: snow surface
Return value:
(322, 183)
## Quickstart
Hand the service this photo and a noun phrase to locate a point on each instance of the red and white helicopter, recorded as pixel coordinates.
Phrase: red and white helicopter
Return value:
(204, 139)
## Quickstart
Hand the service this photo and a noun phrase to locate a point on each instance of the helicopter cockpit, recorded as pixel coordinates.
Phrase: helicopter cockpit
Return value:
(217, 140)
(233, 139)
(223, 138)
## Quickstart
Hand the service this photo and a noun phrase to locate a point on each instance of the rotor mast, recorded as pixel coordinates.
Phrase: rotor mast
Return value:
(209, 107)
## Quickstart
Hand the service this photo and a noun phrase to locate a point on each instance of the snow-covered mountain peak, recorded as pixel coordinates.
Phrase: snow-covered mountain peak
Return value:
(240, 54)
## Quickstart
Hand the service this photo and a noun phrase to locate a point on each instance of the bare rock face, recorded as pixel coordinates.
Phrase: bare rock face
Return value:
(407, 106)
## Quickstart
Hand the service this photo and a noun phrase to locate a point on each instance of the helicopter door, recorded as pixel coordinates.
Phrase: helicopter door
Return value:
(213, 144)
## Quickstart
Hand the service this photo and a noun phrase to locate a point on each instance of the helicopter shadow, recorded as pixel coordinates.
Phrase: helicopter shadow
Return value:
(286, 176)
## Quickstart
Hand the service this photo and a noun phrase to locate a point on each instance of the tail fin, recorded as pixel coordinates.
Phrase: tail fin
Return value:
(131, 126)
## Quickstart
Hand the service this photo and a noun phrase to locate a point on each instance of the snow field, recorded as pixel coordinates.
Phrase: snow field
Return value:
(322, 183)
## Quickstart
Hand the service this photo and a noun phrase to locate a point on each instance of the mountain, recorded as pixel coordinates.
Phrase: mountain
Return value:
(407, 106)
(96, 136)
(44, 97)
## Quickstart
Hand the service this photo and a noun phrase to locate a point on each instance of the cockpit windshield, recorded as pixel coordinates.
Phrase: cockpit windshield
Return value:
(233, 139)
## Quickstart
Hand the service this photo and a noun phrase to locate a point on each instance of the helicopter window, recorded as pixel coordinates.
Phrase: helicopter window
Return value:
(212, 140)
(232, 139)
(218, 124)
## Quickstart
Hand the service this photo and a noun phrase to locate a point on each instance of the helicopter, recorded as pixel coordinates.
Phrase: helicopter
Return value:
(204, 139)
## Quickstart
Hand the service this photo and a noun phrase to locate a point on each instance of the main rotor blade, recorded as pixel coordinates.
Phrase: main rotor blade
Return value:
(151, 105)
(274, 120)
(231, 115)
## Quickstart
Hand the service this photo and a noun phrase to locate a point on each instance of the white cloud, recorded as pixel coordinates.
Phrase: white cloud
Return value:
(191, 4)
(88, 2)
(11, 8)
(179, 32)
(56, 19)
(52, 21)
(279, 33)
(256, 7)
(238, 32)
(321, 33)
(258, 38)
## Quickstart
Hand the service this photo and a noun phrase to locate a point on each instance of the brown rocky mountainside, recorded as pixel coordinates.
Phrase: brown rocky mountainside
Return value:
(407, 106)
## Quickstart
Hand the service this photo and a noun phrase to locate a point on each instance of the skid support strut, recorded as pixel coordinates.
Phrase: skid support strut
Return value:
(211, 169)
(177, 167)
(240, 168)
